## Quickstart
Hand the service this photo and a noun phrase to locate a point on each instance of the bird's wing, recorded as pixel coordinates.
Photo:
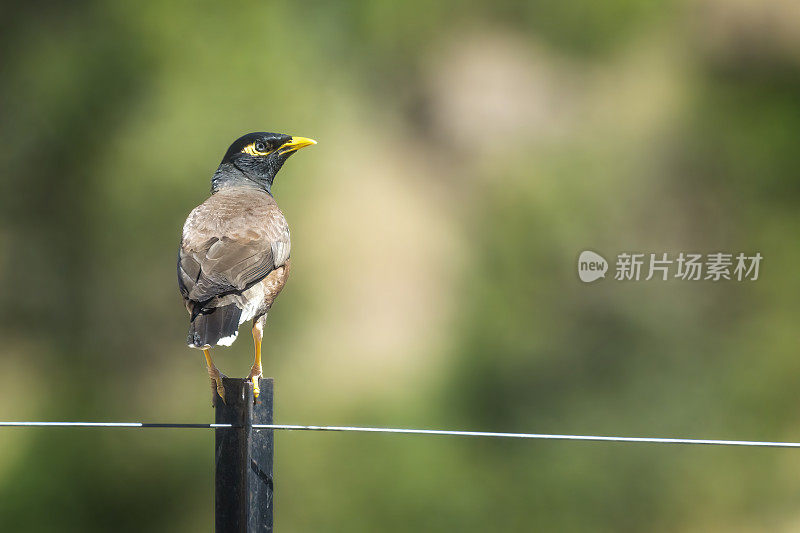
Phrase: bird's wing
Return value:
(221, 258)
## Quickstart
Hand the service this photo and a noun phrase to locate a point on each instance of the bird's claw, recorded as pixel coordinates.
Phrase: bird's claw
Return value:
(220, 389)
(255, 374)
(217, 388)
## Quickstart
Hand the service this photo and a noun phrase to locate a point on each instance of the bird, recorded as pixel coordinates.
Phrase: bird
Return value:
(234, 255)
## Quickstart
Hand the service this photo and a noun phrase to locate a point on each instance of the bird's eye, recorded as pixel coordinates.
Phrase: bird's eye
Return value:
(261, 147)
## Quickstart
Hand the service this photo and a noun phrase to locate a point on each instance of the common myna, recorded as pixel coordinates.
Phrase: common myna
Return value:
(234, 255)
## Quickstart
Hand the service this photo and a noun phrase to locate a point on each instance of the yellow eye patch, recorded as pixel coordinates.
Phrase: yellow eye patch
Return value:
(250, 149)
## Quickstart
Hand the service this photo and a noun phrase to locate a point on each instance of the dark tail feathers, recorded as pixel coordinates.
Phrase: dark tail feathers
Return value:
(209, 326)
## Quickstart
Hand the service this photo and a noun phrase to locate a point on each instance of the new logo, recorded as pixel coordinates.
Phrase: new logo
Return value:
(591, 266)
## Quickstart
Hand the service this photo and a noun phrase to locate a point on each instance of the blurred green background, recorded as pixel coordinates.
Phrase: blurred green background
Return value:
(467, 153)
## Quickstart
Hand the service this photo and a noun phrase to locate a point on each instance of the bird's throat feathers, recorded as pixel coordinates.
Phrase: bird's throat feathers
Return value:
(230, 175)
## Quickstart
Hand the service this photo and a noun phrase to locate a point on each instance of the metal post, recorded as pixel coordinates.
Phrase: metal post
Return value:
(243, 486)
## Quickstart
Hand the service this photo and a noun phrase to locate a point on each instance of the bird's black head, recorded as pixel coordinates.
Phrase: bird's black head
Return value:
(256, 158)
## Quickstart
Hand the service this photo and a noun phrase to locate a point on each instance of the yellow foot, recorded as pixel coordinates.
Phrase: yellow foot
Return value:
(217, 389)
(255, 374)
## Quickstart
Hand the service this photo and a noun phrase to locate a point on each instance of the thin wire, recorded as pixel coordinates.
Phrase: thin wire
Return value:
(545, 436)
(114, 425)
(290, 427)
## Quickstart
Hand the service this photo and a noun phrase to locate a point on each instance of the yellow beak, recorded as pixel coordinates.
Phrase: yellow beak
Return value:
(295, 144)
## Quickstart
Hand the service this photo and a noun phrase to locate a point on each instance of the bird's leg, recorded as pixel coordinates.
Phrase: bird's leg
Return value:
(216, 379)
(256, 372)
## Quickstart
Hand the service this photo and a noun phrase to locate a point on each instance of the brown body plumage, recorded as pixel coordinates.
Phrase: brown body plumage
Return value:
(234, 260)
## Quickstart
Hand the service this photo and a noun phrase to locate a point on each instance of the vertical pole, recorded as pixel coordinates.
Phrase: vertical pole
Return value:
(243, 459)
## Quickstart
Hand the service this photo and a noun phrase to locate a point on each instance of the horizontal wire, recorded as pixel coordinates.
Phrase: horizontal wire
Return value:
(114, 425)
(543, 436)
